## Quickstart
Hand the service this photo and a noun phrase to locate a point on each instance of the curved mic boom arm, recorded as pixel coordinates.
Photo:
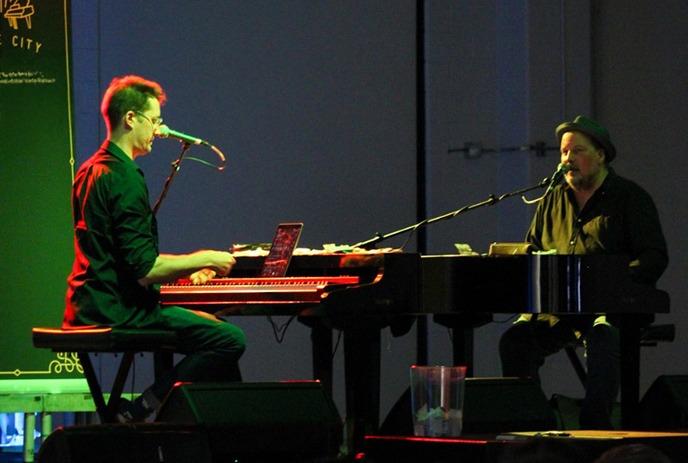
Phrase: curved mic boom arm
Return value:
(490, 201)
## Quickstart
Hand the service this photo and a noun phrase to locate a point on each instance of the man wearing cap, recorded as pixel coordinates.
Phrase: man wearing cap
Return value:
(594, 212)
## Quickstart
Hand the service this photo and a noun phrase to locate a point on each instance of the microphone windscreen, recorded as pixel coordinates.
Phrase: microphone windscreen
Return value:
(564, 168)
(162, 131)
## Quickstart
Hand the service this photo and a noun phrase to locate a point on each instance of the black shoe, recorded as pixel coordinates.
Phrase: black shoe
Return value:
(132, 412)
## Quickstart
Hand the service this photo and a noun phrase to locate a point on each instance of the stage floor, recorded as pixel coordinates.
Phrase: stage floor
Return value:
(580, 446)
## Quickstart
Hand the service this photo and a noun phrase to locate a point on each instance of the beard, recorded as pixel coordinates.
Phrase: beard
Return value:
(580, 182)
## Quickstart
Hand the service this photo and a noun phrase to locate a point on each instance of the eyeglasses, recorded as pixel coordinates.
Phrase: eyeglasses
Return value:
(156, 122)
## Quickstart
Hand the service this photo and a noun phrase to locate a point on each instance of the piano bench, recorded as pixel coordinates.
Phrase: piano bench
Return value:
(93, 339)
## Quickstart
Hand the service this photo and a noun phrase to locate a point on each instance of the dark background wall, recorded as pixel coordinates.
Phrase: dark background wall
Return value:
(314, 103)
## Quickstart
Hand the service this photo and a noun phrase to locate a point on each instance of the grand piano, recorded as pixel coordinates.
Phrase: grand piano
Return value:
(395, 283)
(361, 293)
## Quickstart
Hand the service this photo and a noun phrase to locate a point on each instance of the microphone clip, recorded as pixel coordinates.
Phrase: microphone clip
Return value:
(553, 181)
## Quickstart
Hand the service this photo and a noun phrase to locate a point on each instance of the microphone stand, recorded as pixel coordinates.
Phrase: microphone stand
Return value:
(163, 361)
(490, 201)
(175, 168)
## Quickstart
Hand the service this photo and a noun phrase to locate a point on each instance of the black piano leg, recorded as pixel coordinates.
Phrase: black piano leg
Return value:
(462, 348)
(629, 337)
(362, 377)
(463, 327)
(321, 345)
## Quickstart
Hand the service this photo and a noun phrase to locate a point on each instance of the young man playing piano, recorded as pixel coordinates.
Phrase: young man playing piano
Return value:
(594, 212)
(117, 263)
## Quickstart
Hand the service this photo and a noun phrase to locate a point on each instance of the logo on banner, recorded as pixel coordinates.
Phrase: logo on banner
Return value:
(15, 13)
(19, 15)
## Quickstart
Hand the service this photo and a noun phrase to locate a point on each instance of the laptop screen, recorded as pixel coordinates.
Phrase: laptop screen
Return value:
(283, 245)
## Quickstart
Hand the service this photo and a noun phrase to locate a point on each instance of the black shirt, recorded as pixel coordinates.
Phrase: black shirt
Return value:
(115, 243)
(620, 218)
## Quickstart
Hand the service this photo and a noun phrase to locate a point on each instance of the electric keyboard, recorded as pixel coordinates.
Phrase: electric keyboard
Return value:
(263, 290)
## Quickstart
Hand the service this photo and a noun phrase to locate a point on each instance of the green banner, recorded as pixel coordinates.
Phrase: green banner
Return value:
(36, 168)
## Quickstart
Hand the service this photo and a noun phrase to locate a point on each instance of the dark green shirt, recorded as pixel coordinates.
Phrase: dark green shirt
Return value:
(620, 218)
(115, 243)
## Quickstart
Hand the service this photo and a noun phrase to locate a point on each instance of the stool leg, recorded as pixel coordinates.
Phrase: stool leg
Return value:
(94, 387)
(29, 430)
(46, 425)
(120, 379)
(576, 363)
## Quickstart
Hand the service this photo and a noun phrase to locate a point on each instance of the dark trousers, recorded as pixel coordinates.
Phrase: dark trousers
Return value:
(524, 347)
(212, 349)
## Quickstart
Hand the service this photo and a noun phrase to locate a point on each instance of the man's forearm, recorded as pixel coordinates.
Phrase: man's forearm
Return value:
(169, 267)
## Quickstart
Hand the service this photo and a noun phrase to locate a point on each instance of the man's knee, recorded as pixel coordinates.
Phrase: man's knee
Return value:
(603, 339)
(233, 338)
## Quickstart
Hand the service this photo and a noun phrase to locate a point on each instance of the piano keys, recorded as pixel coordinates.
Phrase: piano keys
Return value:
(263, 290)
(374, 283)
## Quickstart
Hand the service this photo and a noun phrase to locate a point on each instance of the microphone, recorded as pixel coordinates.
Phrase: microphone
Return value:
(557, 176)
(165, 132)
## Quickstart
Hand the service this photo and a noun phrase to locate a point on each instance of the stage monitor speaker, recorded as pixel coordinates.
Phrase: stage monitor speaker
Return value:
(506, 404)
(131, 443)
(491, 405)
(294, 420)
(665, 404)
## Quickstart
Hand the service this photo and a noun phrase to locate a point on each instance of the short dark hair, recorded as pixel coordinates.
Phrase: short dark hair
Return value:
(128, 93)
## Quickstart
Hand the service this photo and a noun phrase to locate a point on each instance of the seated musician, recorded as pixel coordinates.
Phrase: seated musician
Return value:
(594, 212)
(117, 264)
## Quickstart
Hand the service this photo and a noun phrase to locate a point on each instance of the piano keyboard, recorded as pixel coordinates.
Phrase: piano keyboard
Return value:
(262, 290)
